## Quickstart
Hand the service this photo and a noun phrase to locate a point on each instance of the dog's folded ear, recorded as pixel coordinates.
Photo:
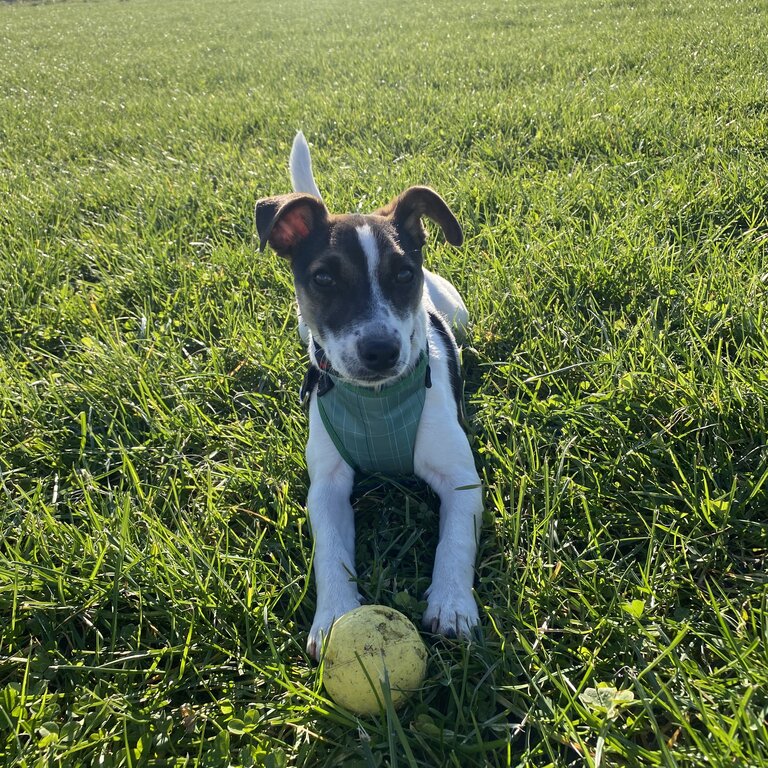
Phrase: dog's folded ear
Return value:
(286, 221)
(407, 209)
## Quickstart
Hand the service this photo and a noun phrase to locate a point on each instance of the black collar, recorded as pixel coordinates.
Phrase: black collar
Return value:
(323, 363)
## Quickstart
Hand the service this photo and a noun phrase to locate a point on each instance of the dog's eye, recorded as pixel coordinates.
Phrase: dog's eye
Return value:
(405, 275)
(323, 280)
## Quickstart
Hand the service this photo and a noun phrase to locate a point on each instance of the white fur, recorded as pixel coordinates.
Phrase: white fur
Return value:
(302, 180)
(442, 458)
(371, 250)
(332, 521)
(447, 301)
(300, 164)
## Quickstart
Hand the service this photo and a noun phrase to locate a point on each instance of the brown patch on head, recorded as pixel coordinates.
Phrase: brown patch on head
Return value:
(286, 221)
(406, 210)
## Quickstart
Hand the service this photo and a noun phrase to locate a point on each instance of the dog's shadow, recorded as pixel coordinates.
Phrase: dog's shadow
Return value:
(396, 535)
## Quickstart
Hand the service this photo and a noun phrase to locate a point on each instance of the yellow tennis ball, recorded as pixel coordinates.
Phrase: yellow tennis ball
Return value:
(362, 644)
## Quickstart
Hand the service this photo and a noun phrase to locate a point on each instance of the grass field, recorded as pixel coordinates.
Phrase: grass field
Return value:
(609, 163)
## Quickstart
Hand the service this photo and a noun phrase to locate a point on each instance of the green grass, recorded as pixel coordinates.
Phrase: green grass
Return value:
(609, 163)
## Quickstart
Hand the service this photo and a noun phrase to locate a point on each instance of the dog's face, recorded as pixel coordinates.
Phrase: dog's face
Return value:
(359, 293)
(358, 278)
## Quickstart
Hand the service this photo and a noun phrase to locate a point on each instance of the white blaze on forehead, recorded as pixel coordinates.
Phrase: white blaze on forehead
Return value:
(371, 250)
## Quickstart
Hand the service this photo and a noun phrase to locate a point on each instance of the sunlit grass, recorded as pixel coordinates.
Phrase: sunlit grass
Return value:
(608, 162)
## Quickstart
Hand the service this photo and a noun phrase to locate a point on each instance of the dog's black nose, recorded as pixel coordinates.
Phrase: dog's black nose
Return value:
(378, 354)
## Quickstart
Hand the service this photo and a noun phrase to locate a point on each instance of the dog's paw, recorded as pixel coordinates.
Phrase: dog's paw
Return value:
(451, 611)
(321, 626)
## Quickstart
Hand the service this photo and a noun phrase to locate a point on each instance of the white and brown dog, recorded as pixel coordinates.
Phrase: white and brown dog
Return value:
(377, 323)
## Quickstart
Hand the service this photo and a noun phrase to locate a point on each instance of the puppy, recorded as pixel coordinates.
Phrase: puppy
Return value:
(383, 389)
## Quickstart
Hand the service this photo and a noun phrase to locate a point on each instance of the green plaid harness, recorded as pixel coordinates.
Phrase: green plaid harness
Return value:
(374, 430)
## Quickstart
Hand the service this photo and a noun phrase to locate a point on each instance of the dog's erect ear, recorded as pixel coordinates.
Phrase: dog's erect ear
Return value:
(407, 209)
(286, 220)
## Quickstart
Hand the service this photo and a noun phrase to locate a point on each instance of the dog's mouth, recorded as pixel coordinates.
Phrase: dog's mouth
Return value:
(366, 377)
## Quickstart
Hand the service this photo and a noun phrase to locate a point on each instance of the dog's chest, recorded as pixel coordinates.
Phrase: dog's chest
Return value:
(375, 431)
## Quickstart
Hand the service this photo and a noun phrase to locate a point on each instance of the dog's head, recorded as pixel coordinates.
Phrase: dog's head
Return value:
(358, 278)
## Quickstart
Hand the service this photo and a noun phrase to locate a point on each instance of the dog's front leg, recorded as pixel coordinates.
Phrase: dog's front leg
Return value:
(333, 529)
(449, 469)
